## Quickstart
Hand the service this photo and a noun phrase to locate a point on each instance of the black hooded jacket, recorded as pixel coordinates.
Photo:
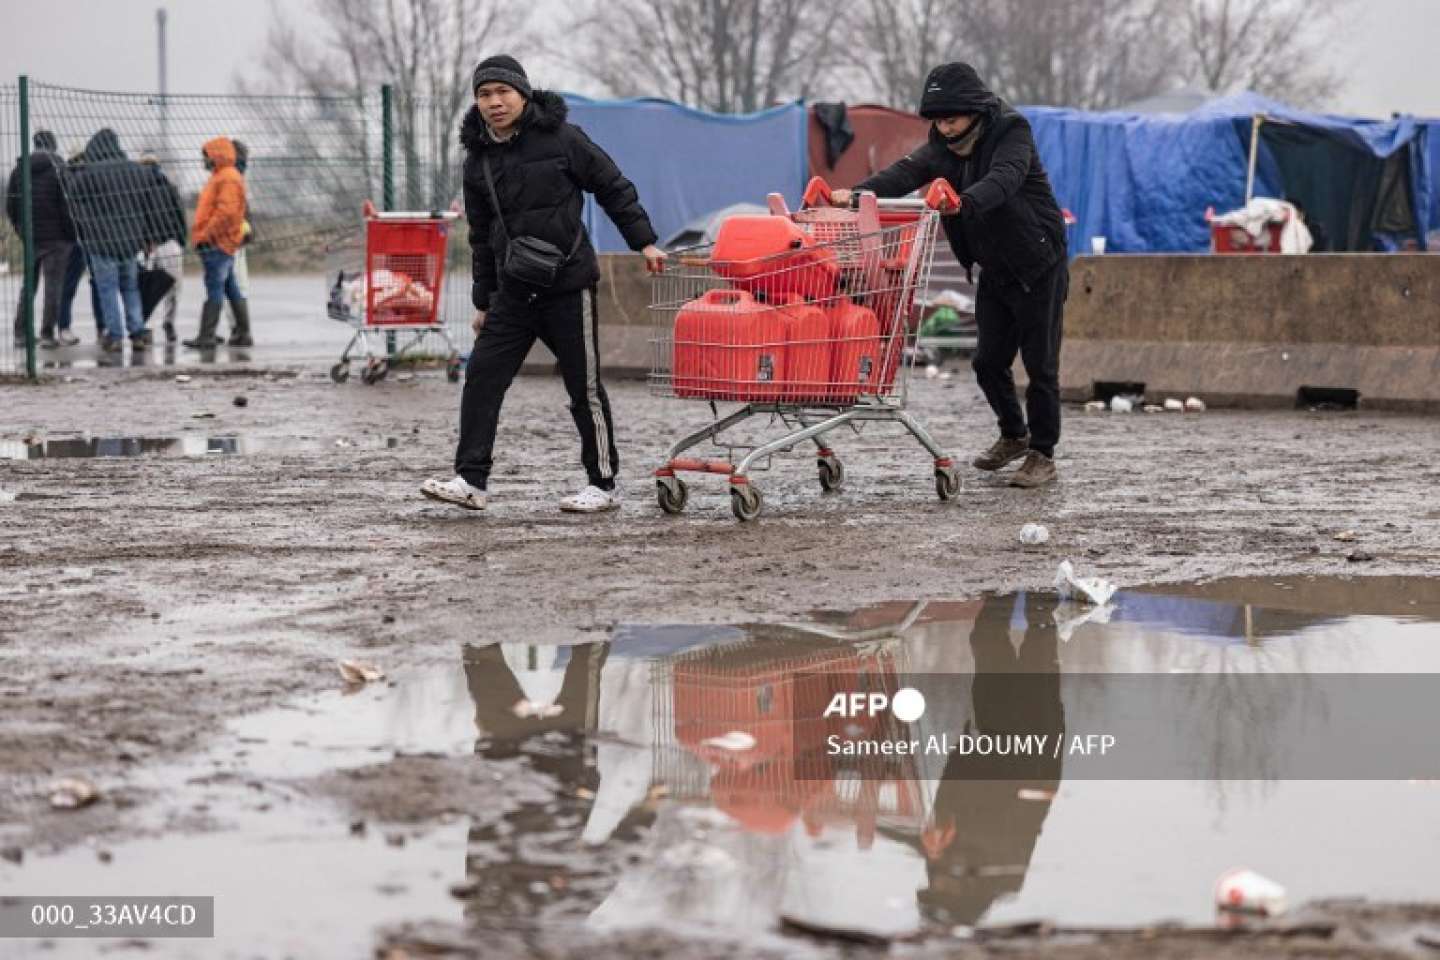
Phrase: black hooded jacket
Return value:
(50, 214)
(540, 174)
(109, 199)
(164, 212)
(1009, 222)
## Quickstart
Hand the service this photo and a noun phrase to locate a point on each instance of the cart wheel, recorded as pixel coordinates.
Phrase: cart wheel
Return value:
(832, 474)
(745, 501)
(672, 494)
(375, 371)
(340, 372)
(452, 370)
(947, 483)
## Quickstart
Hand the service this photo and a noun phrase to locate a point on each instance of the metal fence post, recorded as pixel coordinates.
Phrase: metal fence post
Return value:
(27, 232)
(387, 180)
(387, 146)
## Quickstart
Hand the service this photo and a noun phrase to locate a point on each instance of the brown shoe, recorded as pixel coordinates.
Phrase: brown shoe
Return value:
(1002, 451)
(1038, 470)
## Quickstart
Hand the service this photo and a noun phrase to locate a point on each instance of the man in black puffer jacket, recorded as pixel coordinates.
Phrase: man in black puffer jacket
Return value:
(539, 167)
(108, 202)
(1009, 223)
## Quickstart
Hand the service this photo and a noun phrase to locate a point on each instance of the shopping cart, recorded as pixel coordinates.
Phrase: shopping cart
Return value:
(813, 332)
(389, 281)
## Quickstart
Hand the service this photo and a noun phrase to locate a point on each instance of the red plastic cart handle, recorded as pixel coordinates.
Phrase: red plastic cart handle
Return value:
(941, 196)
(817, 193)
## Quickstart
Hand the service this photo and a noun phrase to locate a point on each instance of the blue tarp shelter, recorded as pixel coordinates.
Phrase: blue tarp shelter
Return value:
(1143, 181)
(686, 162)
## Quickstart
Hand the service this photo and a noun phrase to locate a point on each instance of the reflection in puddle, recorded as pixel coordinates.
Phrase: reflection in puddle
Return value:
(684, 792)
(85, 357)
(82, 447)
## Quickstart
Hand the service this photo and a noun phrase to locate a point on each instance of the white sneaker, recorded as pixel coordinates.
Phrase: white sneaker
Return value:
(455, 491)
(592, 500)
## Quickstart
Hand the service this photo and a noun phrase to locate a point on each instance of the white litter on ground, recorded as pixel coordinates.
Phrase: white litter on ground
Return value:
(1086, 589)
(1033, 533)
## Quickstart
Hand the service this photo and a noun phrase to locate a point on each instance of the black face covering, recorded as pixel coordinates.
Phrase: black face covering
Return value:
(963, 134)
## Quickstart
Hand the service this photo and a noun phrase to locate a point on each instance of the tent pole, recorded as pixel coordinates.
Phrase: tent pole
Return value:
(1255, 122)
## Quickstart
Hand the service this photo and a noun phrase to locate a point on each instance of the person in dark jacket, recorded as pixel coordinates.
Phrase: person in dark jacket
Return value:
(109, 206)
(166, 236)
(1009, 223)
(539, 168)
(53, 232)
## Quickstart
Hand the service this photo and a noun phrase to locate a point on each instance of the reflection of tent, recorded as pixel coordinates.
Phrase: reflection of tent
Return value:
(1144, 181)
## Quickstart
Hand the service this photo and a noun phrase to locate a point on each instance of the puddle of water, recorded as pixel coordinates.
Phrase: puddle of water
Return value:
(652, 821)
(84, 447)
(88, 357)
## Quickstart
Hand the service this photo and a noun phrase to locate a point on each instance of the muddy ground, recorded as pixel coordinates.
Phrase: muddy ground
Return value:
(147, 600)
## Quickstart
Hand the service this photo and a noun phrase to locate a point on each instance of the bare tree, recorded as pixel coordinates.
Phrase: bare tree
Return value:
(424, 48)
(723, 55)
(1273, 47)
(1096, 54)
(904, 39)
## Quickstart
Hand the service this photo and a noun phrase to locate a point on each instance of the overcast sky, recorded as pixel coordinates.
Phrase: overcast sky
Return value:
(1388, 49)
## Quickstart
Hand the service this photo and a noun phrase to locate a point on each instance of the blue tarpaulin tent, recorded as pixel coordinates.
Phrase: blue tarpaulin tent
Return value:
(687, 162)
(1143, 181)
(1432, 138)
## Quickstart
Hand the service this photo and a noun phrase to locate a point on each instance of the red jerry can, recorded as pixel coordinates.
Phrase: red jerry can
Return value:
(808, 350)
(855, 361)
(773, 256)
(728, 346)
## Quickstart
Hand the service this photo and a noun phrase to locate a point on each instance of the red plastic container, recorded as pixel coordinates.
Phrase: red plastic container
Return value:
(1226, 239)
(773, 256)
(729, 346)
(856, 354)
(809, 350)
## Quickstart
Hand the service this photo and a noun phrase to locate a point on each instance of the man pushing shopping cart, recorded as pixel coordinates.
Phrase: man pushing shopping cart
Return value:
(1008, 222)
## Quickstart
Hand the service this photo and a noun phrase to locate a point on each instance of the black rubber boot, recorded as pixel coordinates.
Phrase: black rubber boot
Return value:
(240, 333)
(209, 320)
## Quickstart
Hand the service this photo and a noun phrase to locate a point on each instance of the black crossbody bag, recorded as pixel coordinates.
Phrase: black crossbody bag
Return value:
(530, 260)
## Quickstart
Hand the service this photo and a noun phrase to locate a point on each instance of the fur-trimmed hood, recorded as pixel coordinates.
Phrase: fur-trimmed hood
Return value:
(544, 111)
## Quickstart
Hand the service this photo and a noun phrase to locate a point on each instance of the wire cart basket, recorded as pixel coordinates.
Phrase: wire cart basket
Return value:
(773, 695)
(806, 317)
(386, 282)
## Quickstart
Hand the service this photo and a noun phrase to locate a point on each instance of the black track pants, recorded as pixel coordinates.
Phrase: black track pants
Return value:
(566, 324)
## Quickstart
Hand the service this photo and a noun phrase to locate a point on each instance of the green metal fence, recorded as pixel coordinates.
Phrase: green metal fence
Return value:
(312, 162)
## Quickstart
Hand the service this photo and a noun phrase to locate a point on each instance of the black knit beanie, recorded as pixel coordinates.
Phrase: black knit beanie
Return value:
(501, 69)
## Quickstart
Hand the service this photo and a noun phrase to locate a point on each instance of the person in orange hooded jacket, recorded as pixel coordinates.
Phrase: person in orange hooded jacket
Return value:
(218, 231)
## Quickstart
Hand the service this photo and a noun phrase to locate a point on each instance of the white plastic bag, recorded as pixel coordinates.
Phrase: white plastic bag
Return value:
(1085, 589)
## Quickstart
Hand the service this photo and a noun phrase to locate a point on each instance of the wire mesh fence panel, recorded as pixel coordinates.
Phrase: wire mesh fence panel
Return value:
(12, 254)
(130, 168)
(429, 170)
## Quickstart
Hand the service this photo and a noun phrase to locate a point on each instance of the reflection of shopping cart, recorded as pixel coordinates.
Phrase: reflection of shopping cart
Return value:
(390, 282)
(750, 723)
(801, 316)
